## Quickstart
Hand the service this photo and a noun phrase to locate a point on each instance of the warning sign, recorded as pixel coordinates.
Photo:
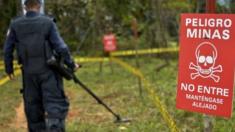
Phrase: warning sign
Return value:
(206, 65)
(109, 42)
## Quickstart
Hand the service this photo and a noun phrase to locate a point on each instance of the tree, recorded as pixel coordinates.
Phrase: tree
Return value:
(8, 10)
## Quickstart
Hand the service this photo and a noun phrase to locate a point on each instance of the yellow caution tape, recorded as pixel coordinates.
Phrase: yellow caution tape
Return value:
(15, 67)
(2, 63)
(118, 53)
(1, 67)
(77, 59)
(152, 94)
(142, 52)
(6, 79)
(91, 59)
(126, 53)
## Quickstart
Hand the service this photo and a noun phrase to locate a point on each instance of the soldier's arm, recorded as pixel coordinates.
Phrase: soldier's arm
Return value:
(60, 47)
(8, 51)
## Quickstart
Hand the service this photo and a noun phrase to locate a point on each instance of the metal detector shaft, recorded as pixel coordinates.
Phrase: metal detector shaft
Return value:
(77, 81)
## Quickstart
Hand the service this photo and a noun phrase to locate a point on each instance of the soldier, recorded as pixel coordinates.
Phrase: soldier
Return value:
(45, 103)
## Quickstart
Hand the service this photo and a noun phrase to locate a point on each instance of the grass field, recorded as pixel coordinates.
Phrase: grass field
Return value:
(1, 74)
(121, 92)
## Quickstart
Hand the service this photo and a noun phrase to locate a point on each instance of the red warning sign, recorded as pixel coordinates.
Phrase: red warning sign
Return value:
(206, 63)
(109, 42)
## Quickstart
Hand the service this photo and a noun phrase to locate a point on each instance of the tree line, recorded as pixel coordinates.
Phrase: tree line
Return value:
(82, 23)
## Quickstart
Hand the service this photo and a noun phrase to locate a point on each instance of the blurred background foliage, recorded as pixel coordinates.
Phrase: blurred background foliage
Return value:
(82, 23)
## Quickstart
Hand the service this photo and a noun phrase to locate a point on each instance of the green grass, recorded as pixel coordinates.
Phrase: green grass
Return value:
(2, 74)
(9, 100)
(121, 92)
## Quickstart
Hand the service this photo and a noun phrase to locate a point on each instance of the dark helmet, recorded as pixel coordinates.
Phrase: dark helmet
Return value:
(26, 1)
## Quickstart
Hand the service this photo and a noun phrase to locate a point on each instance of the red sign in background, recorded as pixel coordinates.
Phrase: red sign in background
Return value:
(206, 64)
(109, 42)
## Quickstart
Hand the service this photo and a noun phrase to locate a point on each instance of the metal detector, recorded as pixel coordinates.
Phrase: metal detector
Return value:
(117, 116)
(58, 65)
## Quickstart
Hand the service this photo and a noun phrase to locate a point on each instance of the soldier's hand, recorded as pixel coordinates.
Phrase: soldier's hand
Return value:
(77, 66)
(11, 76)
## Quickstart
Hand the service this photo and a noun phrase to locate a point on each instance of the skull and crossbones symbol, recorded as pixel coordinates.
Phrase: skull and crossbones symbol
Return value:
(206, 55)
